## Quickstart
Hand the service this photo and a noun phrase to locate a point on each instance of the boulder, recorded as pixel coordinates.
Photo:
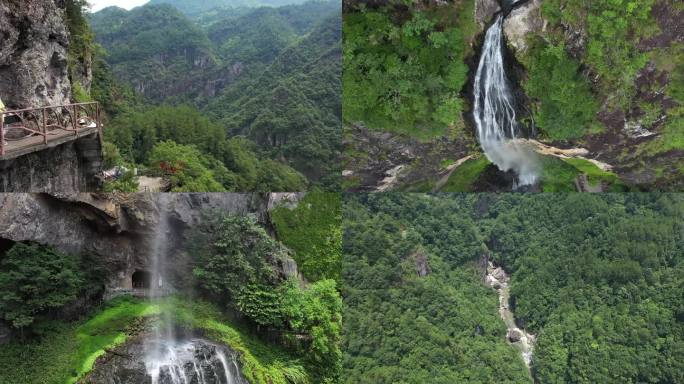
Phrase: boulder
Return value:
(514, 335)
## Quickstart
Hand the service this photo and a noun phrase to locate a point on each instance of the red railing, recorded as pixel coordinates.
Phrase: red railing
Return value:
(21, 124)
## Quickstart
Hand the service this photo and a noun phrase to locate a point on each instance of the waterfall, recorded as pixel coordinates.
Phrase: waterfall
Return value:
(163, 333)
(194, 361)
(494, 111)
(170, 359)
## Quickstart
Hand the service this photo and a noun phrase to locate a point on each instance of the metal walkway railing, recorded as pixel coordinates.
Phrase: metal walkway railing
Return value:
(26, 128)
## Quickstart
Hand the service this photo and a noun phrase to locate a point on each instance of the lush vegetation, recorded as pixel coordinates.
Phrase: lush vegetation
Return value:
(244, 291)
(464, 176)
(404, 327)
(597, 277)
(82, 47)
(567, 107)
(404, 71)
(313, 230)
(195, 154)
(34, 280)
(267, 80)
(67, 351)
(236, 263)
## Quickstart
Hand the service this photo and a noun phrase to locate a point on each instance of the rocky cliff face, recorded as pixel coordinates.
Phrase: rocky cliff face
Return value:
(116, 230)
(66, 168)
(524, 18)
(33, 53)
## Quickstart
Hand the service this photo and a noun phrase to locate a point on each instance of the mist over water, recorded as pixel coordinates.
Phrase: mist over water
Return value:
(494, 112)
(163, 332)
(174, 359)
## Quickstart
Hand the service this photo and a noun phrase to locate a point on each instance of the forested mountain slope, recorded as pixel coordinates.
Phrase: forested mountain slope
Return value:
(194, 7)
(597, 278)
(269, 74)
(293, 106)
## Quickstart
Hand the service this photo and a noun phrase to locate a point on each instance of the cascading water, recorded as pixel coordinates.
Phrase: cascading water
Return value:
(169, 360)
(494, 111)
(194, 361)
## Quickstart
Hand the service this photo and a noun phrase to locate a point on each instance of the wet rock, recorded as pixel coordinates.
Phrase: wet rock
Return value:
(131, 363)
(388, 161)
(485, 10)
(514, 335)
(498, 273)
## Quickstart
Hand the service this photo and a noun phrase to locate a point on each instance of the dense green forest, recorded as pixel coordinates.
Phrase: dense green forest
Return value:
(235, 294)
(196, 8)
(261, 86)
(600, 75)
(598, 278)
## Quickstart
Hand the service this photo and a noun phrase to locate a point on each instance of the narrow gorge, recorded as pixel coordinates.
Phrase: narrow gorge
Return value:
(499, 280)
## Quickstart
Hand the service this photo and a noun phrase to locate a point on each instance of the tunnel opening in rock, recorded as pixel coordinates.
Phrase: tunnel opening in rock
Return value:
(142, 279)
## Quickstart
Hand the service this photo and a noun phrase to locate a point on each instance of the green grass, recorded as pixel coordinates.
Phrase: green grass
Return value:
(422, 186)
(463, 177)
(262, 363)
(67, 351)
(559, 175)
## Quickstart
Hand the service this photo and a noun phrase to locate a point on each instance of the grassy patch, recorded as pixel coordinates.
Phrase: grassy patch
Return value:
(261, 363)
(463, 177)
(422, 186)
(596, 175)
(672, 136)
(559, 175)
(68, 350)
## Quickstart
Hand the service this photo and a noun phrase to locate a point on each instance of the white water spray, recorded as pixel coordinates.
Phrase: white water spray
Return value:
(194, 362)
(169, 360)
(163, 332)
(494, 112)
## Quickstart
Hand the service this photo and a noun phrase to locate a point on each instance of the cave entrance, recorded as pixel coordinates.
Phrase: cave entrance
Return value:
(142, 280)
(5, 245)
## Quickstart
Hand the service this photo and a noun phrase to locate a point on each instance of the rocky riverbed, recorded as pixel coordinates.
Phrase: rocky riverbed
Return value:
(524, 341)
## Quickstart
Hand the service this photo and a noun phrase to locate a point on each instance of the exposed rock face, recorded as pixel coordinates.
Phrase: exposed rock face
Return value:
(393, 161)
(523, 20)
(116, 230)
(523, 17)
(33, 54)
(485, 10)
(67, 168)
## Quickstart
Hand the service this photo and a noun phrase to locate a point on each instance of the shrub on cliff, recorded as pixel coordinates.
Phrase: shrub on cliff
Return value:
(35, 279)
